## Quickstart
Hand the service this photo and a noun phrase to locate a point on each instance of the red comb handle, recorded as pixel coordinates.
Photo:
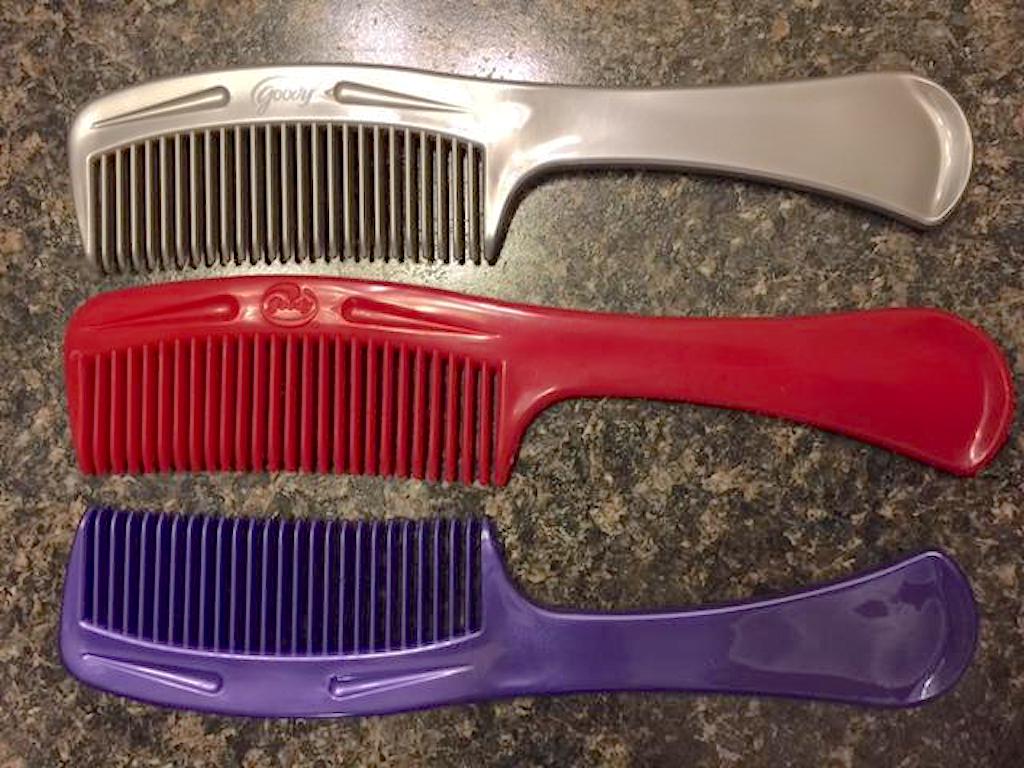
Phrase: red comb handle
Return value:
(919, 382)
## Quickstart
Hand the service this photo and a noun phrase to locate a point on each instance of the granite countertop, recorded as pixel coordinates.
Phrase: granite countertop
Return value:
(614, 504)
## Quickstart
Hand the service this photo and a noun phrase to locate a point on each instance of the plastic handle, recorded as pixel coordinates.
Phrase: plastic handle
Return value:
(895, 637)
(892, 141)
(919, 382)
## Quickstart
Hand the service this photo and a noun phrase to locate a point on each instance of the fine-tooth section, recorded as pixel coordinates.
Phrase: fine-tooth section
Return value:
(286, 192)
(281, 587)
(304, 401)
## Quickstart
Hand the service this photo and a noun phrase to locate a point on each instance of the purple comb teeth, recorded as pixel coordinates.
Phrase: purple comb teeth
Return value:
(329, 618)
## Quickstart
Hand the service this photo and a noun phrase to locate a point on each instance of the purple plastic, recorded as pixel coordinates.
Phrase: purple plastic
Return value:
(898, 636)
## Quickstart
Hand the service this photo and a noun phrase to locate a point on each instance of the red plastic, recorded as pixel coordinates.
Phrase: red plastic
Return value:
(333, 375)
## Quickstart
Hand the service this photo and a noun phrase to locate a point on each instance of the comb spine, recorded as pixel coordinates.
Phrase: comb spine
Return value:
(326, 586)
(120, 218)
(402, 426)
(409, 247)
(285, 193)
(451, 417)
(117, 426)
(387, 406)
(212, 410)
(419, 414)
(101, 415)
(393, 250)
(371, 409)
(434, 445)
(421, 578)
(275, 601)
(105, 203)
(203, 592)
(363, 250)
(256, 209)
(452, 602)
(310, 585)
(249, 579)
(435, 602)
(379, 250)
(358, 579)
(151, 181)
(307, 406)
(150, 408)
(244, 457)
(468, 420)
(301, 194)
(389, 588)
(180, 406)
(276, 408)
(341, 409)
(343, 571)
(227, 215)
(295, 574)
(271, 196)
(233, 610)
(355, 415)
(209, 234)
(231, 407)
(374, 590)
(160, 586)
(134, 204)
(347, 194)
(404, 609)
(197, 398)
(84, 417)
(167, 200)
(195, 251)
(165, 407)
(291, 404)
(323, 405)
(426, 233)
(317, 199)
(332, 191)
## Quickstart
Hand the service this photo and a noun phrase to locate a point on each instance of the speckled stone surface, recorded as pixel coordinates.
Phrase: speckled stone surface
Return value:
(613, 504)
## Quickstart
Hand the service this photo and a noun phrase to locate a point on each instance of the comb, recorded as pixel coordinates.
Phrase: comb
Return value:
(306, 163)
(298, 618)
(335, 375)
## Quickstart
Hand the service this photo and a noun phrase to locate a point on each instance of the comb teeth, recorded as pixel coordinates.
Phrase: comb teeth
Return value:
(286, 192)
(297, 401)
(308, 588)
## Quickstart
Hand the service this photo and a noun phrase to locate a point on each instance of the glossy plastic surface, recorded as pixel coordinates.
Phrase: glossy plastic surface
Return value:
(333, 375)
(895, 142)
(899, 636)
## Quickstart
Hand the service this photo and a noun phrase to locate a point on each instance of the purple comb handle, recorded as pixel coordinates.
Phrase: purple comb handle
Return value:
(898, 636)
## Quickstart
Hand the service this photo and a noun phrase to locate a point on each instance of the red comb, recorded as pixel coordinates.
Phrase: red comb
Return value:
(332, 375)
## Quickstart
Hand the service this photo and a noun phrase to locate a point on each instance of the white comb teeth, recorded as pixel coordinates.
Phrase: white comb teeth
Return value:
(286, 192)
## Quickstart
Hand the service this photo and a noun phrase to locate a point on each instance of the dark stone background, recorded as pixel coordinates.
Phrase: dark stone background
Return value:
(613, 504)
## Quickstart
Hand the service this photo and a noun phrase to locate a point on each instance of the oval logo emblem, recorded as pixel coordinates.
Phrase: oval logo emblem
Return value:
(289, 305)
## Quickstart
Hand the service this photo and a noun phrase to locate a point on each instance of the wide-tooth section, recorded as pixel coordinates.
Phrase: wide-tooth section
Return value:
(286, 192)
(297, 402)
(281, 587)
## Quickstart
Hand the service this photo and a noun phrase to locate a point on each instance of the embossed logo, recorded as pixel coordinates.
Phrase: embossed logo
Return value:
(289, 305)
(280, 89)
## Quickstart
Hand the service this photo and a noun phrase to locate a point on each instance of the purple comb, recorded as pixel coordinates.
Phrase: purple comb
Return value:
(299, 618)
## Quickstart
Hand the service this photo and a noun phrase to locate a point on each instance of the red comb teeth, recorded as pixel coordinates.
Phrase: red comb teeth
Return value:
(303, 401)
(333, 375)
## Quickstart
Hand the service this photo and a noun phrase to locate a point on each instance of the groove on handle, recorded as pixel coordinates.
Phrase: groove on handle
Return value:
(891, 141)
(896, 637)
(920, 382)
